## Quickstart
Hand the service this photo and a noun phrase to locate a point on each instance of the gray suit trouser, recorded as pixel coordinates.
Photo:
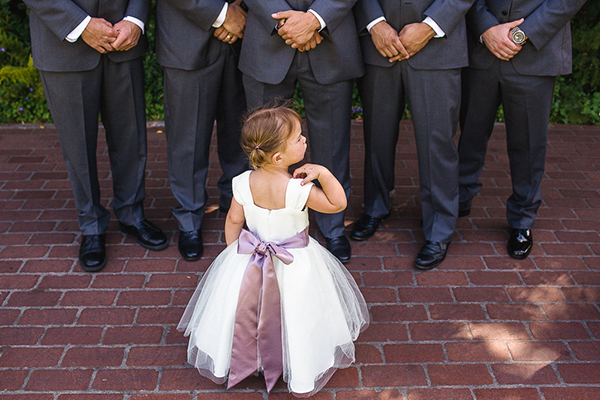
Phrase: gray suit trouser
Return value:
(116, 92)
(527, 101)
(433, 98)
(328, 115)
(193, 100)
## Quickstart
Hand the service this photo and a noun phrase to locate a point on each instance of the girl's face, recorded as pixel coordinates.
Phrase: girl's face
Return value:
(296, 145)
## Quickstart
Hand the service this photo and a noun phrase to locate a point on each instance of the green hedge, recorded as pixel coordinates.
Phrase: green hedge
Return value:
(576, 96)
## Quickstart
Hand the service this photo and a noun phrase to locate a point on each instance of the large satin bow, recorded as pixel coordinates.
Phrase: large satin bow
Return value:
(258, 318)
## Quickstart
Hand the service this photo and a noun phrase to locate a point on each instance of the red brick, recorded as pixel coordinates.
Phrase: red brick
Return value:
(30, 357)
(439, 394)
(28, 396)
(494, 278)
(118, 281)
(133, 335)
(392, 332)
(52, 238)
(393, 375)
(498, 331)
(187, 379)
(414, 353)
(367, 354)
(389, 394)
(144, 356)
(159, 315)
(8, 317)
(538, 351)
(425, 295)
(11, 282)
(162, 396)
(72, 335)
(20, 336)
(586, 351)
(459, 375)
(586, 277)
(34, 298)
(59, 380)
(344, 378)
(106, 316)
(12, 379)
(580, 373)
(507, 394)
(560, 263)
(592, 262)
(577, 237)
(571, 312)
(457, 312)
(126, 379)
(558, 330)
(89, 298)
(144, 265)
(24, 252)
(36, 226)
(90, 396)
(441, 278)
(471, 249)
(551, 278)
(480, 294)
(581, 294)
(230, 396)
(9, 267)
(519, 312)
(535, 294)
(565, 249)
(48, 316)
(372, 295)
(570, 393)
(524, 374)
(69, 281)
(508, 263)
(172, 280)
(491, 351)
(387, 279)
(392, 313)
(439, 331)
(48, 265)
(93, 357)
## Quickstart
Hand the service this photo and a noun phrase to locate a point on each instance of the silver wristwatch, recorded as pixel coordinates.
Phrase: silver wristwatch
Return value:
(518, 36)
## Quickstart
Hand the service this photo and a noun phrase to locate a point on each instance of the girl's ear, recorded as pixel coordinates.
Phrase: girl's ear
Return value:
(277, 158)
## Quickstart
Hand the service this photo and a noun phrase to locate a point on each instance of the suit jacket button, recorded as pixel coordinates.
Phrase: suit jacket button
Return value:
(504, 12)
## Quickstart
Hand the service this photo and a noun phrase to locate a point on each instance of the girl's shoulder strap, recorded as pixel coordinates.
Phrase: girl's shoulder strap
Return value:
(240, 186)
(296, 195)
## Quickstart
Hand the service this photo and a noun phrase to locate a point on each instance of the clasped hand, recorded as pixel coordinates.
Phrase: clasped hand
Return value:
(397, 46)
(104, 37)
(299, 29)
(497, 39)
(234, 25)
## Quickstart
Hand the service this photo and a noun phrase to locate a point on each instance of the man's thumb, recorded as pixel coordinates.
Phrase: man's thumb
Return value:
(515, 23)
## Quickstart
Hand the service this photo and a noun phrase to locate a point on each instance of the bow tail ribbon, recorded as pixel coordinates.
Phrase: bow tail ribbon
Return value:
(258, 328)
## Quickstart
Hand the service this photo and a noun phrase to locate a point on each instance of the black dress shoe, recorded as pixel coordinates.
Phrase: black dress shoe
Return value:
(190, 245)
(365, 227)
(92, 252)
(464, 213)
(431, 255)
(147, 234)
(520, 243)
(339, 247)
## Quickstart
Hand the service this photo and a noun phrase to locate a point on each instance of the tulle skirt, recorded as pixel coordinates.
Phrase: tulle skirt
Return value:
(322, 314)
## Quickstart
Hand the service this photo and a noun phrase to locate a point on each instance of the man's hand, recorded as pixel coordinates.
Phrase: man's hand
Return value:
(224, 35)
(129, 34)
(312, 43)
(498, 40)
(414, 37)
(235, 23)
(386, 40)
(298, 28)
(99, 34)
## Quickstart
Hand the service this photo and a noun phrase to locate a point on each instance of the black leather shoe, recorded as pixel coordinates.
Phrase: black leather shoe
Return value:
(147, 234)
(92, 252)
(520, 243)
(464, 213)
(339, 247)
(190, 245)
(431, 255)
(365, 227)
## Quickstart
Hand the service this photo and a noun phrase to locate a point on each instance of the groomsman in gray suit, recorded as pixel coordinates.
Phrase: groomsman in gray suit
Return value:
(197, 44)
(89, 53)
(413, 52)
(516, 50)
(313, 43)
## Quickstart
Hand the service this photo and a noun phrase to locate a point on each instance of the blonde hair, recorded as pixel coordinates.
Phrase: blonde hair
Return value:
(266, 131)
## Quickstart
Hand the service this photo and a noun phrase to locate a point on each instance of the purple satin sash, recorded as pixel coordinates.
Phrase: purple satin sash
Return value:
(258, 318)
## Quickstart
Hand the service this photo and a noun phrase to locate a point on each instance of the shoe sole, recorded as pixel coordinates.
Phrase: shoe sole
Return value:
(94, 269)
(432, 266)
(189, 258)
(516, 257)
(129, 231)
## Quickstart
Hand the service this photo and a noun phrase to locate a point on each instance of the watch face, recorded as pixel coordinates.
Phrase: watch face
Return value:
(518, 36)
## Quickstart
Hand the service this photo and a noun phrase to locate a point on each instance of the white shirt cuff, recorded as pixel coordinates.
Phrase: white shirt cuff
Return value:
(375, 22)
(321, 21)
(135, 21)
(221, 18)
(75, 33)
(438, 31)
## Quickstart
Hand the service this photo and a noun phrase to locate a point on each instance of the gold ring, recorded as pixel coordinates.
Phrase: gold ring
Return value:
(228, 37)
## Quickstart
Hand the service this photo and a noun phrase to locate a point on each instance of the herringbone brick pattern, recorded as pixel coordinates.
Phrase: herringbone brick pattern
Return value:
(481, 327)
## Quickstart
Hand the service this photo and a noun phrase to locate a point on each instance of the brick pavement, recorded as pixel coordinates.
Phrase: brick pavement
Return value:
(483, 326)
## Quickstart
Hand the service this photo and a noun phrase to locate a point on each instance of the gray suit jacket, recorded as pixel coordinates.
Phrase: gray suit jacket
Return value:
(266, 58)
(548, 49)
(441, 53)
(51, 21)
(184, 33)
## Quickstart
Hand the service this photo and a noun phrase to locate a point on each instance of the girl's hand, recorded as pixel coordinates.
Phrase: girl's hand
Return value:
(309, 172)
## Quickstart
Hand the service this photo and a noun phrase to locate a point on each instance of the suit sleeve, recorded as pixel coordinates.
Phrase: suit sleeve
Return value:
(480, 19)
(448, 13)
(263, 9)
(333, 11)
(365, 12)
(549, 18)
(60, 16)
(202, 13)
(138, 9)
